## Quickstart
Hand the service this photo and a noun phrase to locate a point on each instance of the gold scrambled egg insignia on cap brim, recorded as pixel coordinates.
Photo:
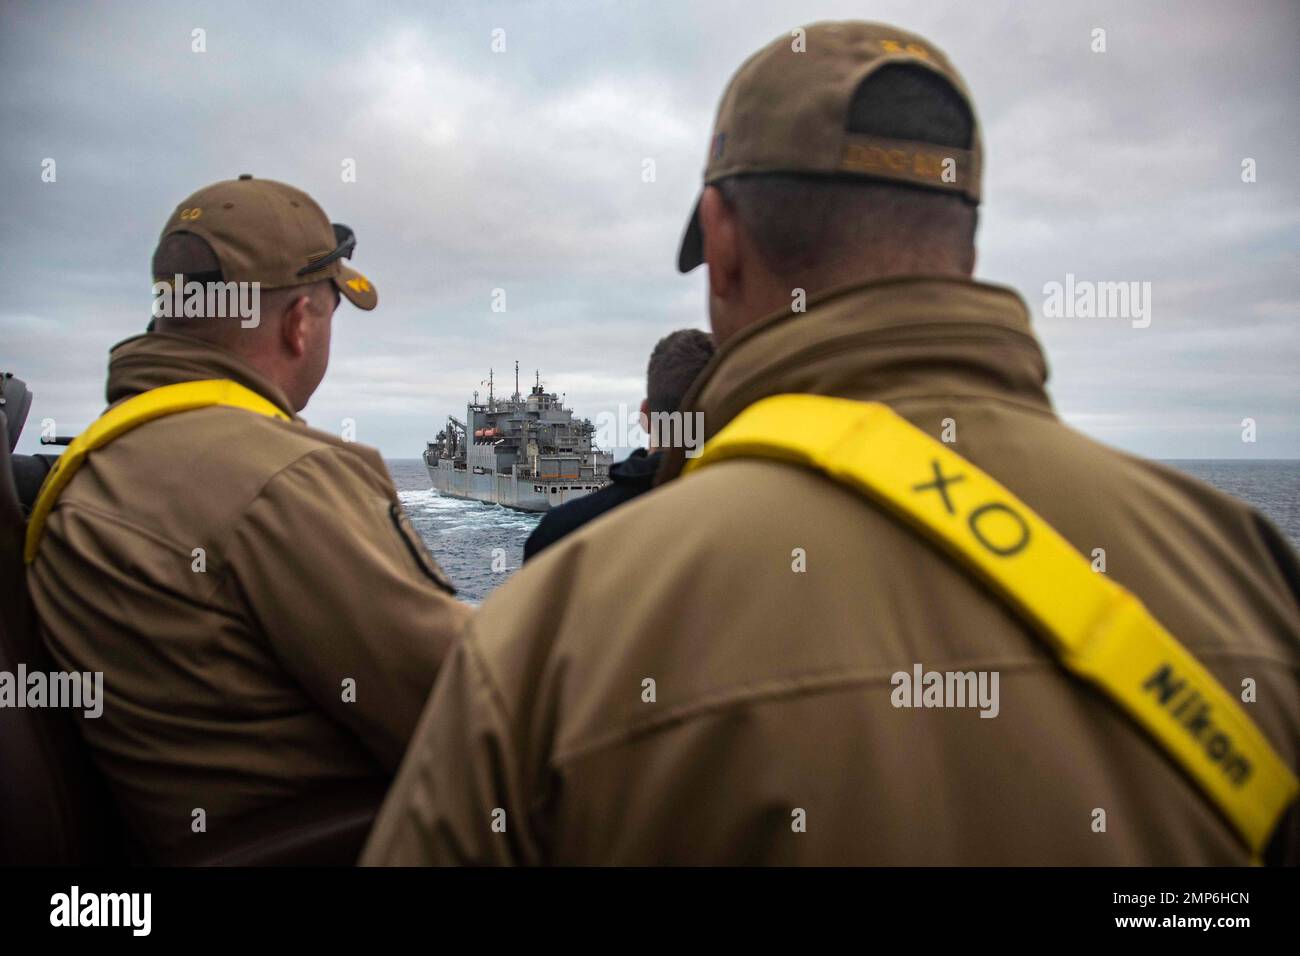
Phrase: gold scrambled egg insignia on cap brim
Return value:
(356, 288)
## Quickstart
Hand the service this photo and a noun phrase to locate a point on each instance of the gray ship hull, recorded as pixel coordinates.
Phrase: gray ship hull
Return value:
(510, 491)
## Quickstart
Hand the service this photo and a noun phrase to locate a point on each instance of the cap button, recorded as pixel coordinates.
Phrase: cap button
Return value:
(245, 175)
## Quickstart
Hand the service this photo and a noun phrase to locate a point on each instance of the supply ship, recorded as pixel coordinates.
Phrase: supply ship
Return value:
(526, 452)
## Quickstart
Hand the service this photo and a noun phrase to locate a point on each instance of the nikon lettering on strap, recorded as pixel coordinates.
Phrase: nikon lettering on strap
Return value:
(130, 414)
(1177, 695)
(1097, 629)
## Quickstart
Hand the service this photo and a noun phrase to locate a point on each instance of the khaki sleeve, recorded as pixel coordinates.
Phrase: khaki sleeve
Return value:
(352, 606)
(458, 798)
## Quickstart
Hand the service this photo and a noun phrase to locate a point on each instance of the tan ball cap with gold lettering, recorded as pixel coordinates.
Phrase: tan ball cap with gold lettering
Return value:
(786, 110)
(271, 233)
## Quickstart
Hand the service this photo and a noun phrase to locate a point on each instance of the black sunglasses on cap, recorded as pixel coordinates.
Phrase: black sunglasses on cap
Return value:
(347, 241)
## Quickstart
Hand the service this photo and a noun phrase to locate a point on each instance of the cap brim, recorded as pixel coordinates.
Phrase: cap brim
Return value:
(691, 253)
(356, 288)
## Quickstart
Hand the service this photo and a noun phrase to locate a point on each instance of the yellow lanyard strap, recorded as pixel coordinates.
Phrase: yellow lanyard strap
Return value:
(124, 416)
(1097, 629)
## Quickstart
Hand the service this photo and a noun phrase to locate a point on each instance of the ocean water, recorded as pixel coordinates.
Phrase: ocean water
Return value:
(481, 545)
(478, 545)
(1271, 486)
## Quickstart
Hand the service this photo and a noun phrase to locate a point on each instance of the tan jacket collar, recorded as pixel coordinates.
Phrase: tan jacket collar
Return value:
(887, 340)
(155, 359)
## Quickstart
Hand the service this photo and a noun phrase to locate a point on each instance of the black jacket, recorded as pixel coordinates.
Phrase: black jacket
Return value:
(632, 476)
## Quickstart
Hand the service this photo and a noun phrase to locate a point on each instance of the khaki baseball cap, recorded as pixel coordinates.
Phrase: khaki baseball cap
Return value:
(273, 234)
(786, 110)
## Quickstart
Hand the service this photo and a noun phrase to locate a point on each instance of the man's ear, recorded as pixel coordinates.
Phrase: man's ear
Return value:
(645, 415)
(721, 242)
(293, 325)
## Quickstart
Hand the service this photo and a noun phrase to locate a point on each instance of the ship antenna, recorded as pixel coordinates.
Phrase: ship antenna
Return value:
(516, 380)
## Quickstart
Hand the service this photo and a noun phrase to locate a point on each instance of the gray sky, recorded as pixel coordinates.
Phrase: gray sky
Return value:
(522, 170)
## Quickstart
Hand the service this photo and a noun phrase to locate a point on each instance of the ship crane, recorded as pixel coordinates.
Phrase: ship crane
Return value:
(454, 433)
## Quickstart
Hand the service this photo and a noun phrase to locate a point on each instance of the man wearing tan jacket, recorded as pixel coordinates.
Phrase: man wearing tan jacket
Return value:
(754, 663)
(267, 621)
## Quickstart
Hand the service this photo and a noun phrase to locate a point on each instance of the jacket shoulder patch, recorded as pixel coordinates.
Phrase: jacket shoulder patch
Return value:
(415, 544)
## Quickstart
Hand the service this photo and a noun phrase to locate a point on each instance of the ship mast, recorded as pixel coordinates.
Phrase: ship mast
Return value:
(516, 398)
